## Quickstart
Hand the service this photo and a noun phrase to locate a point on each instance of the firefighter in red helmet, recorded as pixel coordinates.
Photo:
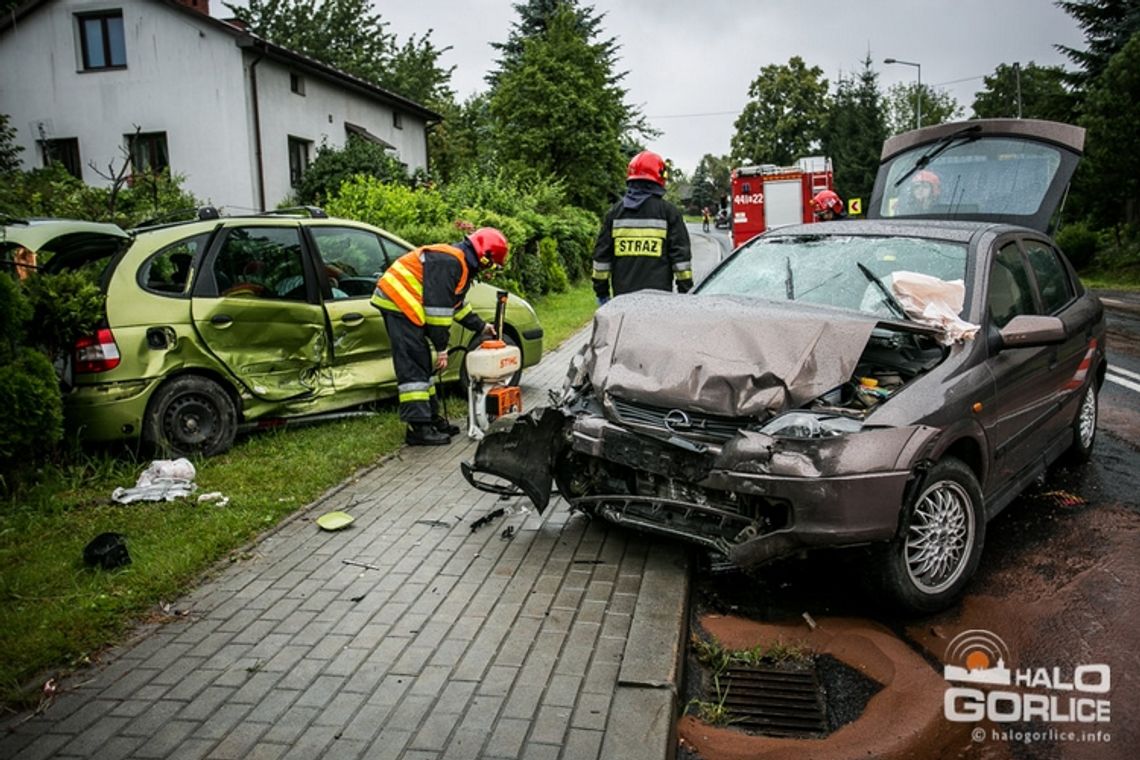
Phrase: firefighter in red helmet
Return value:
(643, 243)
(420, 295)
(827, 205)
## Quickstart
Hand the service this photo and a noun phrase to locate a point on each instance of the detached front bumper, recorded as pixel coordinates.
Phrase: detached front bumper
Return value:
(757, 499)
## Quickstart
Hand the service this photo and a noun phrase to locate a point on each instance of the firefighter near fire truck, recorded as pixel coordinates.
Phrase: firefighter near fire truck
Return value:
(827, 205)
(643, 243)
(420, 295)
(766, 196)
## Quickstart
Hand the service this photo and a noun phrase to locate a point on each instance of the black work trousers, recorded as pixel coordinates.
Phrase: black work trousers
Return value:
(415, 377)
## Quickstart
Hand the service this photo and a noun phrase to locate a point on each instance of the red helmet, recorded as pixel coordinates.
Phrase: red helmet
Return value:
(647, 165)
(827, 200)
(490, 245)
(931, 179)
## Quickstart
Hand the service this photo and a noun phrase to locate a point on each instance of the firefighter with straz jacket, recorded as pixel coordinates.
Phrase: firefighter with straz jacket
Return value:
(420, 295)
(643, 243)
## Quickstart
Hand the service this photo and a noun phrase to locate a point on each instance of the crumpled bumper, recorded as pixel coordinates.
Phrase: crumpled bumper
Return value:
(825, 492)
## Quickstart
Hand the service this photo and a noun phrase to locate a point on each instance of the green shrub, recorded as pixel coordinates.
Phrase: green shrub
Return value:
(332, 167)
(557, 281)
(65, 307)
(32, 423)
(394, 207)
(15, 311)
(1079, 242)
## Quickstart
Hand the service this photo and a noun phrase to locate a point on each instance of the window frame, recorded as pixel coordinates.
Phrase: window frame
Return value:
(108, 52)
(297, 172)
(64, 151)
(144, 144)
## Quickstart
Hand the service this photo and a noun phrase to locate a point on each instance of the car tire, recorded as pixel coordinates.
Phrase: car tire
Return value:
(940, 539)
(1084, 429)
(190, 415)
(507, 338)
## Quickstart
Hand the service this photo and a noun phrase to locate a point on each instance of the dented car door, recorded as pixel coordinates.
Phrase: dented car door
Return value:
(257, 311)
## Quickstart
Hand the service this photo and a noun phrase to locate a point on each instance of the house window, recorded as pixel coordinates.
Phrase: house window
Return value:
(298, 159)
(397, 120)
(101, 41)
(148, 152)
(297, 84)
(64, 151)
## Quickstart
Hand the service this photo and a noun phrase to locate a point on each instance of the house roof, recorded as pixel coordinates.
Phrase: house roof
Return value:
(247, 40)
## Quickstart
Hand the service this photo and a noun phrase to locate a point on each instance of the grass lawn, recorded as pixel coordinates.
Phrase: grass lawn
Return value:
(56, 612)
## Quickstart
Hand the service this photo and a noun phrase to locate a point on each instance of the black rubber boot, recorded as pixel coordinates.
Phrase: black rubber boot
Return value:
(441, 425)
(423, 434)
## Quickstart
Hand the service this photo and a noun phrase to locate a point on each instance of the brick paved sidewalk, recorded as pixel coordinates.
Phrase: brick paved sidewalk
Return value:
(560, 641)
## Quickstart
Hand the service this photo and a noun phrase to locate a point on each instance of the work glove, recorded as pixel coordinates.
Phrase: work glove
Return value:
(441, 361)
(603, 300)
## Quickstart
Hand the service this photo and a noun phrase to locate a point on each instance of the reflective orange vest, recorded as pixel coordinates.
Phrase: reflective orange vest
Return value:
(403, 285)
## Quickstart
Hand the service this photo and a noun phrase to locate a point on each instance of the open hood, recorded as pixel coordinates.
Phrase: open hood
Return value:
(71, 243)
(722, 355)
(998, 170)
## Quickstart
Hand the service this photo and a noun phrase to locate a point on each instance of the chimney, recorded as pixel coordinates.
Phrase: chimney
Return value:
(202, 6)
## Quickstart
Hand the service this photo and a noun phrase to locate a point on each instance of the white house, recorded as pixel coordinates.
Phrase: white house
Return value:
(239, 117)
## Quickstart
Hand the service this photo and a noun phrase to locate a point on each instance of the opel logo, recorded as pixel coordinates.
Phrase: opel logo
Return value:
(677, 421)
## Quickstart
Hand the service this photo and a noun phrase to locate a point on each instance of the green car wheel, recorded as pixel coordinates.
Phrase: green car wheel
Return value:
(191, 415)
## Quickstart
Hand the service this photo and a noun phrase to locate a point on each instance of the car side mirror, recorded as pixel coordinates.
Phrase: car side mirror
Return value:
(1027, 331)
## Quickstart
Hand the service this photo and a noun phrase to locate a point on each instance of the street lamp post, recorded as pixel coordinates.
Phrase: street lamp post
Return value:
(918, 97)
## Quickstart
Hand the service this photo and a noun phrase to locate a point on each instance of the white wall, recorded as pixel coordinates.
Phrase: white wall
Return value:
(181, 78)
(319, 116)
(184, 78)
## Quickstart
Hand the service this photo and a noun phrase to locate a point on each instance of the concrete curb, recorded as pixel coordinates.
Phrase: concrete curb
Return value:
(643, 715)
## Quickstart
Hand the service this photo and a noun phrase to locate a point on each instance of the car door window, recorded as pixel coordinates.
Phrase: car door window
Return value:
(261, 262)
(170, 271)
(1053, 281)
(393, 249)
(353, 259)
(1010, 293)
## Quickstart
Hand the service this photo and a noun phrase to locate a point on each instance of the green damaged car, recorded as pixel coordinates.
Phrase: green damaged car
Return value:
(224, 324)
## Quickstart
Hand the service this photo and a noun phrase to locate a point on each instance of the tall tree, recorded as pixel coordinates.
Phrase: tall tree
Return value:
(535, 19)
(1112, 158)
(937, 107)
(711, 181)
(9, 150)
(463, 139)
(782, 119)
(348, 35)
(854, 131)
(1108, 25)
(557, 110)
(1031, 92)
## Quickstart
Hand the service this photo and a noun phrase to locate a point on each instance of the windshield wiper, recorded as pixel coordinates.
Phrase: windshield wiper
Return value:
(888, 296)
(789, 284)
(938, 149)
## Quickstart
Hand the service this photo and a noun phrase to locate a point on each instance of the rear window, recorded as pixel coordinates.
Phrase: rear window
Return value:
(998, 176)
(171, 270)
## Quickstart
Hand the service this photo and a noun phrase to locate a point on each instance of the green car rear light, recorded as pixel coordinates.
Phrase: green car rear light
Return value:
(96, 353)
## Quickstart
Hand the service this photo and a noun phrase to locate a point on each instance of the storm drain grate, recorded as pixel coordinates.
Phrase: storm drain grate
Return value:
(775, 702)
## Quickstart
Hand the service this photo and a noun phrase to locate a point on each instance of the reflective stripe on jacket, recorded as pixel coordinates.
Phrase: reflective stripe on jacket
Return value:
(402, 286)
(642, 248)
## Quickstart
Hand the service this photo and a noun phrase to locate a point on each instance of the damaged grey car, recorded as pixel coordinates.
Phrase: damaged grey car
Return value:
(891, 383)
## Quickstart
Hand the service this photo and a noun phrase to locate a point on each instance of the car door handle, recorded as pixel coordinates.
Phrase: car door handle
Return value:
(352, 318)
(221, 320)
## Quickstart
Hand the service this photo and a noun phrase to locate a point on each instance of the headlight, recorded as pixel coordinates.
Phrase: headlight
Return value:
(808, 425)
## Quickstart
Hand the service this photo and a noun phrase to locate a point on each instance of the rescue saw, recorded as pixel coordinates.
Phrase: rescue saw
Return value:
(490, 367)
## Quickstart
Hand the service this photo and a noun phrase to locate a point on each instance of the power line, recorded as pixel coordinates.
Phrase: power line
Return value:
(692, 115)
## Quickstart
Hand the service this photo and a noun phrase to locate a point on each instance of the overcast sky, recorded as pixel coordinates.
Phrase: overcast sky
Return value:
(690, 63)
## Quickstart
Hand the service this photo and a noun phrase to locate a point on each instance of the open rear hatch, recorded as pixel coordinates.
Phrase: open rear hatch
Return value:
(1014, 171)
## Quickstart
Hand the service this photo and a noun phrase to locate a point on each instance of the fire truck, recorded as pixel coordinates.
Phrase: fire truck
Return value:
(766, 196)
